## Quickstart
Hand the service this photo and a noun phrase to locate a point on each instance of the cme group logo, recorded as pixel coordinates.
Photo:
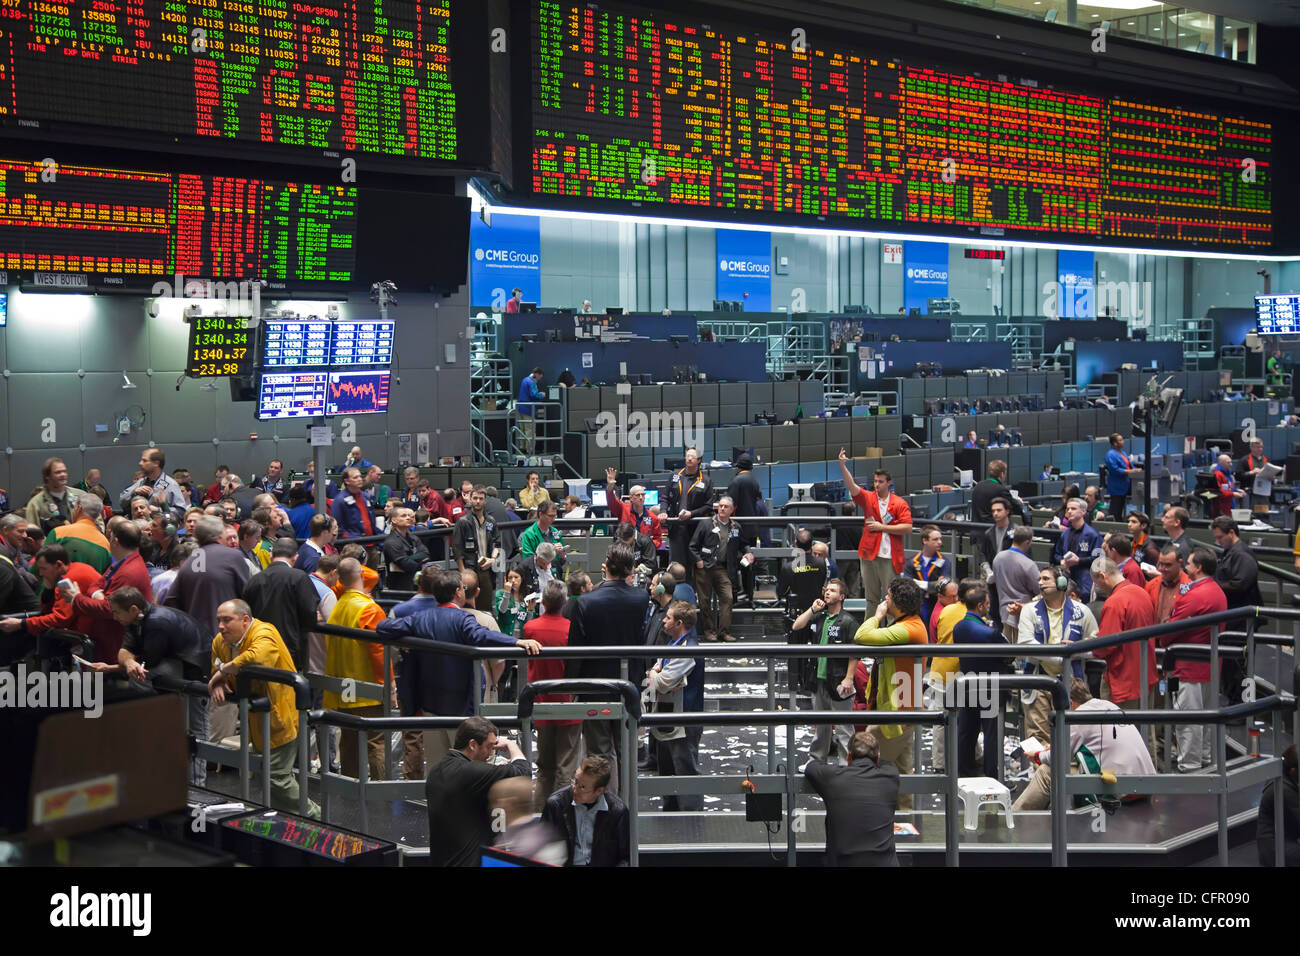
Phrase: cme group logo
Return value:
(745, 267)
(507, 257)
(935, 274)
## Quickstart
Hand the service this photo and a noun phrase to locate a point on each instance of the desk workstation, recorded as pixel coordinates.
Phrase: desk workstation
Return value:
(604, 363)
(563, 327)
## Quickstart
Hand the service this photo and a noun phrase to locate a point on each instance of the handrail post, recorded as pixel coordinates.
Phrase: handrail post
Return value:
(952, 836)
(1215, 666)
(266, 760)
(304, 762)
(1060, 772)
(1221, 761)
(243, 749)
(1144, 694)
(791, 855)
(771, 705)
(387, 710)
(630, 794)
(363, 776)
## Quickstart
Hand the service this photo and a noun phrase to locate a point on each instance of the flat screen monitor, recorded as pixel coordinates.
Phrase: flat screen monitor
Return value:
(651, 497)
(1276, 314)
(290, 395)
(357, 393)
(599, 498)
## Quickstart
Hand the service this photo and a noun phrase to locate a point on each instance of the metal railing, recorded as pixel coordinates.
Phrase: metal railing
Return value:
(1222, 783)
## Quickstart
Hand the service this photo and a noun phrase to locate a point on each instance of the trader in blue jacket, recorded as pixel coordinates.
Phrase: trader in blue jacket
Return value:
(1119, 472)
(1077, 547)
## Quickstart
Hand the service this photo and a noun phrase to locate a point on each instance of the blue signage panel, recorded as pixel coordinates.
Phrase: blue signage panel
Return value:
(925, 273)
(745, 268)
(1076, 278)
(504, 256)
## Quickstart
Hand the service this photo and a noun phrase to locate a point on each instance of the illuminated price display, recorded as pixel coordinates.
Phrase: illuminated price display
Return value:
(1278, 314)
(296, 344)
(357, 393)
(291, 395)
(634, 105)
(219, 346)
(371, 77)
(363, 343)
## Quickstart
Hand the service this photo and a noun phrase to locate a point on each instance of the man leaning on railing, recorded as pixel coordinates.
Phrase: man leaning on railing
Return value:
(241, 641)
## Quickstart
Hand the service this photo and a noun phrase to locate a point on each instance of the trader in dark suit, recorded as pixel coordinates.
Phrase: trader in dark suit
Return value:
(285, 597)
(611, 614)
(994, 486)
(439, 684)
(460, 821)
(210, 577)
(860, 803)
(689, 495)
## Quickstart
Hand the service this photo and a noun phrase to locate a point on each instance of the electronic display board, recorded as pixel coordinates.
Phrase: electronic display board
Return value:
(363, 343)
(101, 226)
(291, 395)
(312, 343)
(357, 393)
(1278, 314)
(219, 346)
(659, 108)
(296, 344)
(378, 78)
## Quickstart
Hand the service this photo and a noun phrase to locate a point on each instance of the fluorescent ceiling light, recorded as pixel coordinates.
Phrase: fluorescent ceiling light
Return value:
(1121, 4)
(835, 231)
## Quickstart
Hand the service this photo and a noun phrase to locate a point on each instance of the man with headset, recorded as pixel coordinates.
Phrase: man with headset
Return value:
(1055, 617)
(689, 495)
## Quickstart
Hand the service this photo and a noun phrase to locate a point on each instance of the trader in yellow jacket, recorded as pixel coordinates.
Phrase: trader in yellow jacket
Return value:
(242, 640)
(357, 661)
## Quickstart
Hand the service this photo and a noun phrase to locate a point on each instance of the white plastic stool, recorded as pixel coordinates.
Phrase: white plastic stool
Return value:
(977, 792)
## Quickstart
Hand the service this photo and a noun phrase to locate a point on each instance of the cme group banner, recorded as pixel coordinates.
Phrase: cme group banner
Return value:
(1076, 278)
(503, 256)
(925, 273)
(745, 268)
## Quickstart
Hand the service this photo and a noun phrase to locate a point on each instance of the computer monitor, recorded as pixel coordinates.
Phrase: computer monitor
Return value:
(802, 491)
(578, 487)
(614, 310)
(527, 306)
(651, 497)
(861, 411)
(599, 498)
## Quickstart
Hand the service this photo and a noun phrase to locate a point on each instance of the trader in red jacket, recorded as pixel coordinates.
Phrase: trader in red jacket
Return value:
(559, 742)
(1201, 595)
(889, 520)
(52, 563)
(127, 569)
(1127, 608)
(635, 511)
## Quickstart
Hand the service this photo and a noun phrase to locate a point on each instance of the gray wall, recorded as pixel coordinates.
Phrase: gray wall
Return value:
(50, 339)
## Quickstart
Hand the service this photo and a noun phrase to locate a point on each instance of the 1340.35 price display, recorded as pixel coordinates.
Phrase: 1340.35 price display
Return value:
(219, 346)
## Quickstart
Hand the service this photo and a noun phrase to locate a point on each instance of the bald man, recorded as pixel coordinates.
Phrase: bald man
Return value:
(241, 641)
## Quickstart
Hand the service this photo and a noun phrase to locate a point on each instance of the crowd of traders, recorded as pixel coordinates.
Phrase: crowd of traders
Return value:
(201, 581)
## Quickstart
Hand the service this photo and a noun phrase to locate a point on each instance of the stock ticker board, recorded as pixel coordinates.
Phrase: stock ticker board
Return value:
(359, 77)
(108, 226)
(659, 108)
(219, 346)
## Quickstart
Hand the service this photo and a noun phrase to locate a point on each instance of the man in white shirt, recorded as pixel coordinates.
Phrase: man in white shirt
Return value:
(1119, 748)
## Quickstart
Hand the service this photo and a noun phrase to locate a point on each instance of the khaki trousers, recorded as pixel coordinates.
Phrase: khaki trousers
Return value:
(898, 750)
(876, 575)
